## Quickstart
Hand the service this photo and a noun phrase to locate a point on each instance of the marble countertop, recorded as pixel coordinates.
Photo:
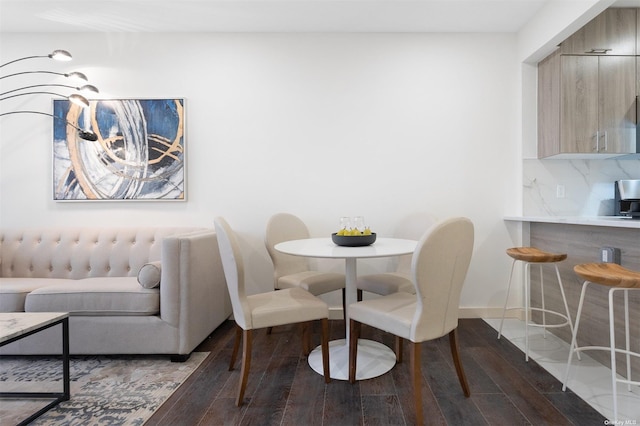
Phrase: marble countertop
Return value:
(610, 221)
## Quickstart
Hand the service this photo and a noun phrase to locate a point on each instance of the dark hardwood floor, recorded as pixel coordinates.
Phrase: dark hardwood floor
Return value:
(283, 390)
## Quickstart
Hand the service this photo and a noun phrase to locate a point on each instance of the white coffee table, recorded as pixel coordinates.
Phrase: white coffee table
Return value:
(18, 325)
(374, 358)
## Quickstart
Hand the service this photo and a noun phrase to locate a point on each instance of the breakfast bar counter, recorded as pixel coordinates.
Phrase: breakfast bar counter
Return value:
(583, 239)
(610, 221)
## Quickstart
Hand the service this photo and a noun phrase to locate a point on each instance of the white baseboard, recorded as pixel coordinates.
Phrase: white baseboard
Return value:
(490, 313)
(336, 313)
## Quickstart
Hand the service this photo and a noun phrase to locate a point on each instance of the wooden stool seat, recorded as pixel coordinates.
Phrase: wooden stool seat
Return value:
(609, 274)
(534, 255)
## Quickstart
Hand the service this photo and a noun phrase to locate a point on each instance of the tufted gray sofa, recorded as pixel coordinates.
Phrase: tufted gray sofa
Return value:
(93, 273)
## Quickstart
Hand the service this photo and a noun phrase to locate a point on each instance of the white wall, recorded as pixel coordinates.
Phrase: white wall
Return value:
(320, 125)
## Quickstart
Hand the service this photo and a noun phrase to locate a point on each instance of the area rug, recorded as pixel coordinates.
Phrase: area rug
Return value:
(105, 390)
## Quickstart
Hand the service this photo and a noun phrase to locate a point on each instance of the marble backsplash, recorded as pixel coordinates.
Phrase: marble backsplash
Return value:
(587, 186)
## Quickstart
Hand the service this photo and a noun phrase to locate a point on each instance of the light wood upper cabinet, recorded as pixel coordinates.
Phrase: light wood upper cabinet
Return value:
(586, 104)
(587, 89)
(579, 104)
(613, 32)
(549, 105)
(617, 103)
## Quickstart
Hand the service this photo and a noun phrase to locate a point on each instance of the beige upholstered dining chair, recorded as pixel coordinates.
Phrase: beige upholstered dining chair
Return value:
(294, 271)
(439, 267)
(411, 227)
(288, 306)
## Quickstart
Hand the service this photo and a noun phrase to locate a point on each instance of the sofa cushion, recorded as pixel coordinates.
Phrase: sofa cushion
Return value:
(13, 291)
(95, 296)
(149, 275)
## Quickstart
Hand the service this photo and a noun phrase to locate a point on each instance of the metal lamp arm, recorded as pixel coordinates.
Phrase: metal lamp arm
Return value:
(74, 97)
(88, 87)
(84, 134)
(22, 59)
(77, 74)
(58, 54)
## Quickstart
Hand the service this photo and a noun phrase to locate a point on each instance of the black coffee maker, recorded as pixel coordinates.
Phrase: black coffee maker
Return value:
(627, 198)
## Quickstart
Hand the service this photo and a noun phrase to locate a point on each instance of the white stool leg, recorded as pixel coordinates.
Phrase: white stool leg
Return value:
(612, 338)
(506, 300)
(544, 308)
(527, 308)
(574, 345)
(614, 376)
(627, 338)
(566, 305)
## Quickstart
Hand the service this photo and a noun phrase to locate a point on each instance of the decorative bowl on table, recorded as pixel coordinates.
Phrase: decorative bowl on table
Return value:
(353, 240)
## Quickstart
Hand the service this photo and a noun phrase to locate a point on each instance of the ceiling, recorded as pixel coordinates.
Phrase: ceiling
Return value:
(266, 15)
(270, 15)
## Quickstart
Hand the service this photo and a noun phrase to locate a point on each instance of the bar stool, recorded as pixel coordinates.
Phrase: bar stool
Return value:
(619, 279)
(532, 255)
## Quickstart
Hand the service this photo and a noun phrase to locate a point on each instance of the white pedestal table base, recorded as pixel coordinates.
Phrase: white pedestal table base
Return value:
(374, 359)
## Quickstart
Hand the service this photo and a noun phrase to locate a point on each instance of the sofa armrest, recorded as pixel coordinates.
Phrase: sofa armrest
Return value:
(193, 291)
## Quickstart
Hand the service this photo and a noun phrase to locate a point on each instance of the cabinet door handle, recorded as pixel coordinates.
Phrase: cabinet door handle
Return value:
(605, 148)
(600, 51)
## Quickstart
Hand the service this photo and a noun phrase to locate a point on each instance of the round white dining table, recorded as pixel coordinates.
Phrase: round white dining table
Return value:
(374, 358)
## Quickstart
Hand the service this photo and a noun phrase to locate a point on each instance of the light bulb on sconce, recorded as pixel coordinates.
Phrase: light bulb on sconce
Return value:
(60, 55)
(79, 100)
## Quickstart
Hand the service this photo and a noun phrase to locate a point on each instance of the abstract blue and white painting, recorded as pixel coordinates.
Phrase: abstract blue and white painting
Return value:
(138, 154)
